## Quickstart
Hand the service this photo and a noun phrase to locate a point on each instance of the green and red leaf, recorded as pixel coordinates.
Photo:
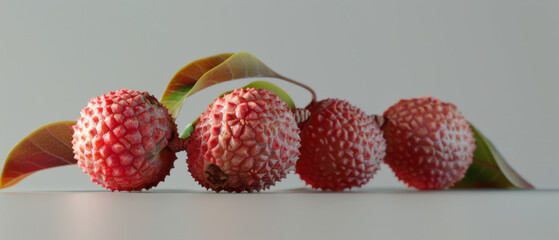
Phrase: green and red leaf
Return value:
(489, 169)
(47, 147)
(206, 72)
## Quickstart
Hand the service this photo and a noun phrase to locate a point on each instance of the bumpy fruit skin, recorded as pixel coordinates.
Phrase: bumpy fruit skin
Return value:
(341, 146)
(121, 141)
(246, 141)
(430, 143)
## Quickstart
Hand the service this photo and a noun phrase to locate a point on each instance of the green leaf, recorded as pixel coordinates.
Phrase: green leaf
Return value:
(206, 72)
(489, 169)
(275, 89)
(189, 129)
(256, 84)
(47, 147)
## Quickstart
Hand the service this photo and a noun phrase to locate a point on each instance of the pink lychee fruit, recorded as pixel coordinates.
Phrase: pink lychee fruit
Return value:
(246, 140)
(429, 143)
(121, 140)
(341, 146)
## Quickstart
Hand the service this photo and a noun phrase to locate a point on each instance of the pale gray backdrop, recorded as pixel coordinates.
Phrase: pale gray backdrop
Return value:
(498, 61)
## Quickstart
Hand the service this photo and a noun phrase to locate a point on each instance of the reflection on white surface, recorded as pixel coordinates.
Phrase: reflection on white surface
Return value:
(292, 214)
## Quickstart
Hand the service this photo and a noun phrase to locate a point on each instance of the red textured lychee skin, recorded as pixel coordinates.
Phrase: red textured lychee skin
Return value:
(430, 144)
(121, 141)
(246, 141)
(341, 146)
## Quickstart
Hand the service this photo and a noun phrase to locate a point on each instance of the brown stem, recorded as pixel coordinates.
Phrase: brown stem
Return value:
(178, 144)
(301, 115)
(379, 120)
(313, 94)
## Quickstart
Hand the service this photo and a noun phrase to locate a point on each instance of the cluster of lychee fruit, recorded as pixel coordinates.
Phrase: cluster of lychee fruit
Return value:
(249, 139)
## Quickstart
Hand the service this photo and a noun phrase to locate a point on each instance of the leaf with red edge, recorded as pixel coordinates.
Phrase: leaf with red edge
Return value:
(489, 168)
(206, 72)
(47, 147)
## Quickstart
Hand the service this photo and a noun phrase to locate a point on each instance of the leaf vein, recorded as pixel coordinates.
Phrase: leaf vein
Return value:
(50, 153)
(57, 139)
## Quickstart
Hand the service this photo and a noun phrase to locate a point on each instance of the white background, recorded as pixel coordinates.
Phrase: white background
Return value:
(498, 61)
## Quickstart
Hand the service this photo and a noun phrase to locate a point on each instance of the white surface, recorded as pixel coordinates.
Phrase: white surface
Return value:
(295, 214)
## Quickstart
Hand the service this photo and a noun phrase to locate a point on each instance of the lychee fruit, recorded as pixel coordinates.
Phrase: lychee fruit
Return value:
(121, 140)
(246, 140)
(341, 146)
(429, 143)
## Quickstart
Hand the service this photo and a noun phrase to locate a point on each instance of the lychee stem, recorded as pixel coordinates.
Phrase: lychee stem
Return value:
(313, 94)
(380, 120)
(178, 144)
(301, 115)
